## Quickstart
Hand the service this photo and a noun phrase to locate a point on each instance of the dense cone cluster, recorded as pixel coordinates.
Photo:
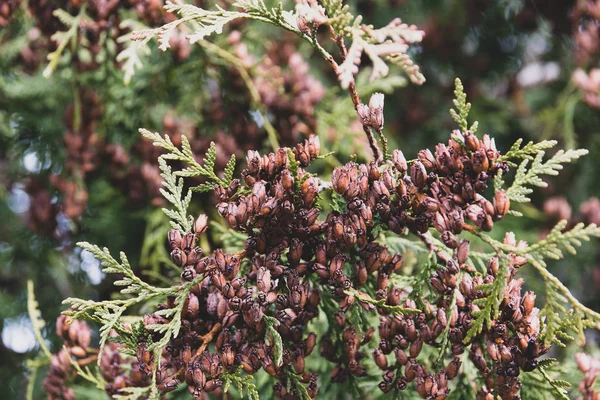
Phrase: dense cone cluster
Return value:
(296, 262)
(292, 255)
(500, 353)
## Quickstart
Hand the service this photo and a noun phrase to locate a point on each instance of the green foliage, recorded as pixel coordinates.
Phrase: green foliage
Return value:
(557, 240)
(171, 330)
(527, 152)
(489, 305)
(229, 170)
(364, 298)
(242, 383)
(36, 319)
(462, 108)
(63, 38)
(108, 313)
(383, 45)
(180, 220)
(130, 338)
(339, 15)
(539, 385)
(153, 252)
(389, 43)
(134, 50)
(295, 380)
(560, 320)
(293, 167)
(519, 190)
(185, 155)
(274, 338)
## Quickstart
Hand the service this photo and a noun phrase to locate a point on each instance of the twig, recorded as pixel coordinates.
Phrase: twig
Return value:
(563, 289)
(428, 243)
(88, 360)
(206, 339)
(339, 41)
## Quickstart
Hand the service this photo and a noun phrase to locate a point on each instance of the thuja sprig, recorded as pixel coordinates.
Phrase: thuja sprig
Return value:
(552, 245)
(387, 44)
(171, 329)
(185, 155)
(274, 338)
(130, 338)
(463, 108)
(174, 195)
(576, 320)
(108, 312)
(489, 305)
(35, 316)
(295, 379)
(559, 320)
(131, 55)
(529, 151)
(243, 383)
(539, 384)
(64, 38)
(339, 15)
(519, 191)
(557, 240)
(365, 298)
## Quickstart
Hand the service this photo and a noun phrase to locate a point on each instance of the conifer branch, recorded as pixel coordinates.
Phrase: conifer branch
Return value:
(528, 152)
(365, 298)
(539, 384)
(35, 316)
(489, 305)
(519, 191)
(274, 338)
(180, 220)
(63, 38)
(463, 108)
(242, 383)
(186, 155)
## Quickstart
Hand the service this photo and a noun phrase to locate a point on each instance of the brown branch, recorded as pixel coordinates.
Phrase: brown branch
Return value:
(206, 339)
(427, 241)
(373, 144)
(339, 41)
(88, 360)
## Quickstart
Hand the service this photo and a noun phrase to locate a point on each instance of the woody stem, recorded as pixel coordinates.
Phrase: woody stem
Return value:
(206, 339)
(339, 41)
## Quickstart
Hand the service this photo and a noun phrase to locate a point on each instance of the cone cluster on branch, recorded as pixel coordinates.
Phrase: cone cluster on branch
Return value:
(297, 261)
